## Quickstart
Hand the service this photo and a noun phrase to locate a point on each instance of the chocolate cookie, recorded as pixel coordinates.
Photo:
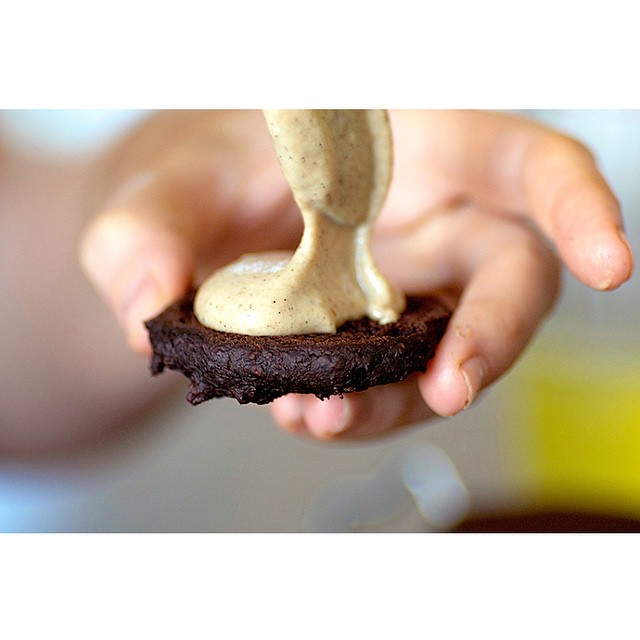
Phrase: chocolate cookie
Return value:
(258, 369)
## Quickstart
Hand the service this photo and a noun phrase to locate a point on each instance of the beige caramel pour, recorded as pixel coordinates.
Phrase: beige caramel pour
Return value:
(338, 164)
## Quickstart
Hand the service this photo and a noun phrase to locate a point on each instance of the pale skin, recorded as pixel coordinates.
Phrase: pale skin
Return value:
(482, 208)
(479, 207)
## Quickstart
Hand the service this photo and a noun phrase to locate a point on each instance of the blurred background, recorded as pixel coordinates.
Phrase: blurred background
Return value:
(556, 443)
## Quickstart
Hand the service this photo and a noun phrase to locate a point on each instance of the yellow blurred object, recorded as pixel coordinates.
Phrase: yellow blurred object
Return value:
(577, 419)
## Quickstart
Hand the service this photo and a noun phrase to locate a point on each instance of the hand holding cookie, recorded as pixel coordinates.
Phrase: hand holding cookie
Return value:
(477, 208)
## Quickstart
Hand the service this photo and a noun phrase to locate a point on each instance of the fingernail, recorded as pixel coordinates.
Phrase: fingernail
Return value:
(605, 285)
(474, 371)
(329, 417)
(343, 409)
(614, 277)
(289, 413)
(141, 299)
(627, 243)
(624, 238)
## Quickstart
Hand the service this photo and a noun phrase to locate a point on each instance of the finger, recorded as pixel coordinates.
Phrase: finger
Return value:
(579, 212)
(556, 181)
(505, 298)
(355, 415)
(518, 166)
(138, 266)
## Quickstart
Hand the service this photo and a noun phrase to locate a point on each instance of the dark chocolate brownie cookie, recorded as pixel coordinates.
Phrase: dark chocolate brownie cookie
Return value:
(259, 369)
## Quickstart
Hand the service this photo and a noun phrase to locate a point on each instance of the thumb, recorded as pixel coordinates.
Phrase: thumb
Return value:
(138, 264)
